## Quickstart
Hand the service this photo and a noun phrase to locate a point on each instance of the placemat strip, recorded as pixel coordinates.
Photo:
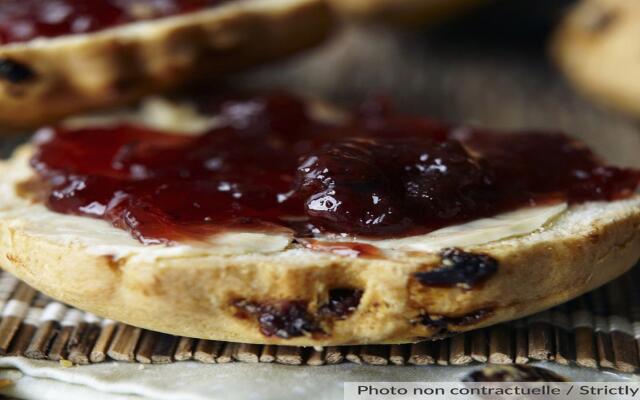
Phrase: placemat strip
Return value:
(443, 352)
(184, 349)
(207, 351)
(422, 353)
(500, 351)
(101, 346)
(398, 354)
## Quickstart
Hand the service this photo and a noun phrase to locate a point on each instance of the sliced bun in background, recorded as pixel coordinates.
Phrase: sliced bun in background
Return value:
(46, 78)
(597, 47)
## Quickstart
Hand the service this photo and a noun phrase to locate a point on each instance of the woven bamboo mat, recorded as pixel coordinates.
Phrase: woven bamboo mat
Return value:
(598, 330)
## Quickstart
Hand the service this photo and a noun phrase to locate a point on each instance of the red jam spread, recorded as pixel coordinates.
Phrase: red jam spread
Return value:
(270, 166)
(23, 20)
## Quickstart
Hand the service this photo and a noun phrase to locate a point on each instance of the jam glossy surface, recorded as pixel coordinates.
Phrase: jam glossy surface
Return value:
(23, 20)
(270, 166)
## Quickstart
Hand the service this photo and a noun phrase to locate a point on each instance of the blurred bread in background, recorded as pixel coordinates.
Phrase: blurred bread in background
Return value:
(47, 78)
(598, 48)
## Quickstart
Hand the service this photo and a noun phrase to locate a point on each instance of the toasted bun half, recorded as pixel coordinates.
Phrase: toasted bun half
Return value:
(597, 48)
(49, 78)
(229, 290)
(411, 12)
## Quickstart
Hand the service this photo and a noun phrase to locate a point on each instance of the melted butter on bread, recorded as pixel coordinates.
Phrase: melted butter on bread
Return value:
(511, 224)
(156, 113)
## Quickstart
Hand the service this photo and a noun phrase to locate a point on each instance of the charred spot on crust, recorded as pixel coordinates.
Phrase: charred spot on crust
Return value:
(459, 268)
(443, 323)
(14, 71)
(513, 373)
(281, 318)
(112, 262)
(342, 303)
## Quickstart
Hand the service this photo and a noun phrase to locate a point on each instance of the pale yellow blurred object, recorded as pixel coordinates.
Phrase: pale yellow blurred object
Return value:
(598, 48)
(411, 12)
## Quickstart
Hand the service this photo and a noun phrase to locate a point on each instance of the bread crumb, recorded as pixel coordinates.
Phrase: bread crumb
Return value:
(141, 366)
(66, 363)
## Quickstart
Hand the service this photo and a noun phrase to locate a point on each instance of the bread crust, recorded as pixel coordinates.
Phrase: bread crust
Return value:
(197, 295)
(53, 77)
(596, 47)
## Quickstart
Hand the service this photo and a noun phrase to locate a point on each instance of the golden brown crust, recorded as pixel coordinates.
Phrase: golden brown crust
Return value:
(411, 12)
(198, 295)
(596, 46)
(76, 73)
